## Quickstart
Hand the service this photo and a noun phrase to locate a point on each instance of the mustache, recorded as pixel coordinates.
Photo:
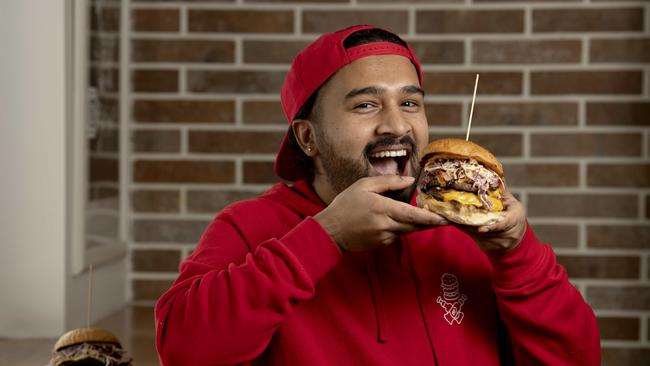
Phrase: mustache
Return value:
(391, 141)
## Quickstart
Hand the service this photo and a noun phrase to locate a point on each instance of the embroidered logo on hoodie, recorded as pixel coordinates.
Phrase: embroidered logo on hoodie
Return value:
(451, 300)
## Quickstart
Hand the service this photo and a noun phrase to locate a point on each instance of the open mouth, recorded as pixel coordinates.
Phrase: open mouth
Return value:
(390, 162)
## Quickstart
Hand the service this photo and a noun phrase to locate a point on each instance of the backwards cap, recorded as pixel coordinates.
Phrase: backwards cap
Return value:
(312, 67)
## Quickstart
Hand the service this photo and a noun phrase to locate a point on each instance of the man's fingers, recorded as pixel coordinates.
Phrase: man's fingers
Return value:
(405, 213)
(403, 227)
(385, 183)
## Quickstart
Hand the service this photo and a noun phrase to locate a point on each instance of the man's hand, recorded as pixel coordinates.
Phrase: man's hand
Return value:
(360, 218)
(503, 235)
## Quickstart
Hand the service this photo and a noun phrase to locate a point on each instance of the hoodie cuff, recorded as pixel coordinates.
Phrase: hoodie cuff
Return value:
(521, 263)
(313, 247)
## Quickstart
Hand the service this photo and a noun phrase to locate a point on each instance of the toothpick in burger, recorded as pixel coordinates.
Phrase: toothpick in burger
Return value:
(462, 182)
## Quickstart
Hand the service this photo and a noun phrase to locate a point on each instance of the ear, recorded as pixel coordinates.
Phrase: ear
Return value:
(304, 132)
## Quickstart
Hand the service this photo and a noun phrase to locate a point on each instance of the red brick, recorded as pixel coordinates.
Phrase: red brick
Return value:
(259, 172)
(320, 21)
(619, 297)
(526, 52)
(469, 21)
(586, 144)
(607, 267)
(204, 81)
(263, 112)
(582, 205)
(439, 52)
(240, 142)
(168, 231)
(190, 50)
(586, 82)
(107, 19)
(272, 52)
(155, 80)
(105, 79)
(587, 20)
(181, 171)
(149, 289)
(105, 140)
(541, 175)
(241, 21)
(625, 356)
(184, 111)
(618, 236)
(618, 175)
(109, 107)
(618, 328)
(153, 260)
(620, 50)
(501, 144)
(618, 113)
(525, 114)
(104, 49)
(155, 20)
(462, 82)
(104, 169)
(155, 200)
(444, 114)
(156, 141)
(559, 236)
(213, 201)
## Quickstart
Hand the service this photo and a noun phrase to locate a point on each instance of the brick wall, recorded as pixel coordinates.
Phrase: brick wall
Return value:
(564, 102)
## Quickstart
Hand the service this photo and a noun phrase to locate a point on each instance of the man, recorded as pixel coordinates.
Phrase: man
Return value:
(338, 269)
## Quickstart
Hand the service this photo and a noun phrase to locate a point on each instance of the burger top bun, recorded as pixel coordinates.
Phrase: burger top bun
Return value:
(85, 335)
(451, 148)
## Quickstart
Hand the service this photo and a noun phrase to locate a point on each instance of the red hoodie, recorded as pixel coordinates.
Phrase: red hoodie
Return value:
(267, 286)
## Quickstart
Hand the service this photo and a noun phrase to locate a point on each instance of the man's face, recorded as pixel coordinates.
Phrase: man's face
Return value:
(371, 122)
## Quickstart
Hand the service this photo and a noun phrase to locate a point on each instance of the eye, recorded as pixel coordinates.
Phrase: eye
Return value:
(363, 106)
(411, 104)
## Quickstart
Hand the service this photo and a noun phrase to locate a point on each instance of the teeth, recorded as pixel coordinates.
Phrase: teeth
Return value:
(389, 154)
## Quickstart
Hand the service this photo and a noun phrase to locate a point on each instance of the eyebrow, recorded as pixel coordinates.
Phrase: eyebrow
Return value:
(376, 91)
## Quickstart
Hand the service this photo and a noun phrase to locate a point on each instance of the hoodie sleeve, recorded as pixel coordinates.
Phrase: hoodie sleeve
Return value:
(548, 321)
(228, 301)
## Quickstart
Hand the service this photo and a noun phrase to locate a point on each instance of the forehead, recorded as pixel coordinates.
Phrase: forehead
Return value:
(384, 70)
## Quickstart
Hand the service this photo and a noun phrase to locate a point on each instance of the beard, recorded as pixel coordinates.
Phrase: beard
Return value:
(342, 172)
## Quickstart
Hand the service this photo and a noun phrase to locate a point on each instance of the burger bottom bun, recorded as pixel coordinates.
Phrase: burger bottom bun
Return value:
(459, 213)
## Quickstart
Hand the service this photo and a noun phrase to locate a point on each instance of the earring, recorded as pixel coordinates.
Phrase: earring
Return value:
(308, 148)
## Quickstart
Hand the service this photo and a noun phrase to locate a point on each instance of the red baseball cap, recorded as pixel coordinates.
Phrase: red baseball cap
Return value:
(312, 67)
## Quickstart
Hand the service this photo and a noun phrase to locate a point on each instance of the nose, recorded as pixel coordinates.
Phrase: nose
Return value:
(393, 122)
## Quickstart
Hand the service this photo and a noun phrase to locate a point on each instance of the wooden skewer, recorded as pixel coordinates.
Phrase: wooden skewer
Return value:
(471, 110)
(90, 297)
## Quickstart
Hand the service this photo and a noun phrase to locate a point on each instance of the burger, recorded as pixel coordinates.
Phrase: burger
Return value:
(462, 182)
(89, 347)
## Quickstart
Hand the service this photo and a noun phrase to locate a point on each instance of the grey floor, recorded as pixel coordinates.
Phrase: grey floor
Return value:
(134, 327)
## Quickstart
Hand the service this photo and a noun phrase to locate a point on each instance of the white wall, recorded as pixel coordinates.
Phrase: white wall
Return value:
(34, 271)
(32, 166)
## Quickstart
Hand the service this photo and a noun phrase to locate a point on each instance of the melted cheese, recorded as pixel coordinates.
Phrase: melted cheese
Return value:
(467, 198)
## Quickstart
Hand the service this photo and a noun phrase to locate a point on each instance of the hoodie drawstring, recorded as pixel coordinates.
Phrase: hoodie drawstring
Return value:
(375, 290)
